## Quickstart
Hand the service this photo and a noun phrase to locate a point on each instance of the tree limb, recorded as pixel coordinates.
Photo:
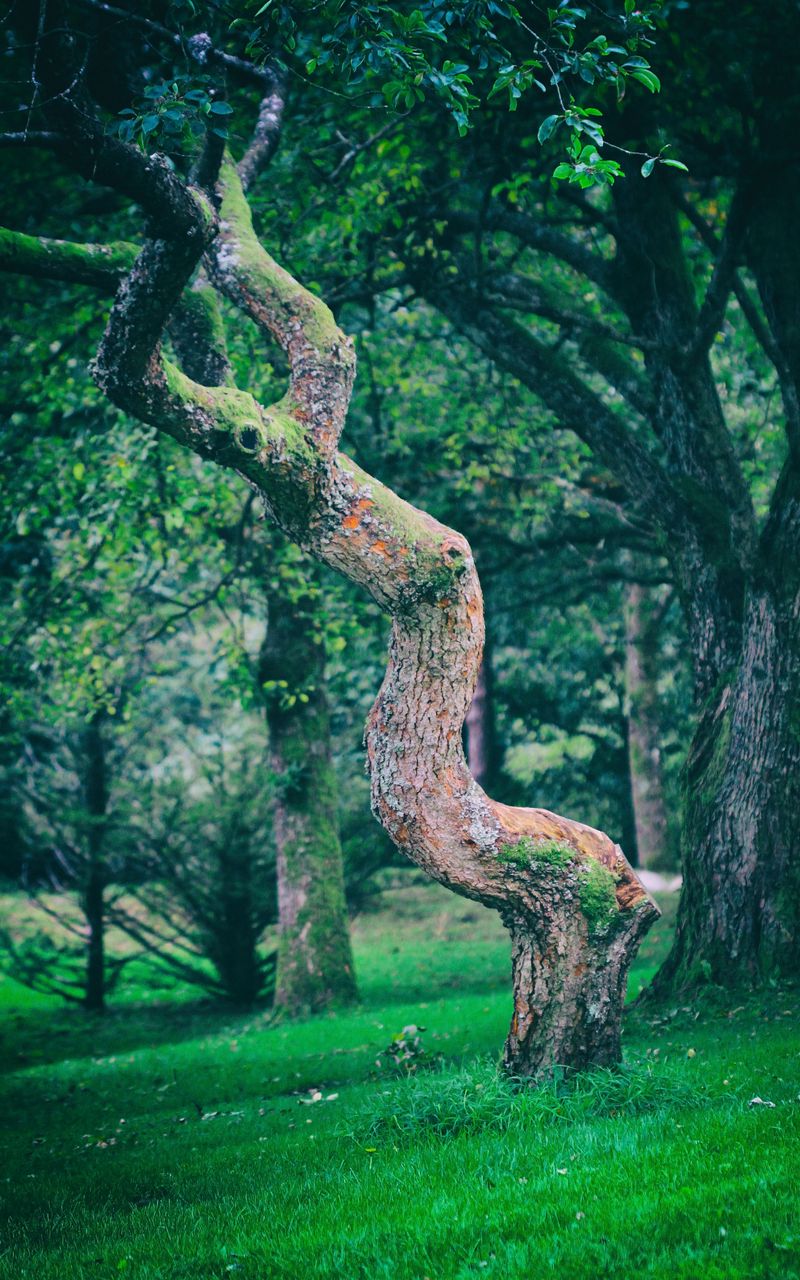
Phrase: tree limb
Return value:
(99, 265)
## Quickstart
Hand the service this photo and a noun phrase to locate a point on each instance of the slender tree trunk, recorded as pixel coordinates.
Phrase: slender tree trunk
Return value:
(739, 918)
(237, 959)
(644, 752)
(315, 963)
(93, 899)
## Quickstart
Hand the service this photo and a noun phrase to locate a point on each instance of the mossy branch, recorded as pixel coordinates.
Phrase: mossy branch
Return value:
(321, 357)
(102, 266)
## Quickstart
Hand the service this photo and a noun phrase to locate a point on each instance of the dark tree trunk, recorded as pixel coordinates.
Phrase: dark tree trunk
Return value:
(644, 730)
(236, 954)
(95, 789)
(480, 727)
(739, 919)
(315, 963)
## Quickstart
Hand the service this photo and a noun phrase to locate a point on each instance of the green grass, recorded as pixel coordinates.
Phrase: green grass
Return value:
(175, 1142)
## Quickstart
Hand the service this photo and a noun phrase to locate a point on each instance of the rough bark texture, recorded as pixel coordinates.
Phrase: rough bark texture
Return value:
(315, 962)
(644, 730)
(739, 918)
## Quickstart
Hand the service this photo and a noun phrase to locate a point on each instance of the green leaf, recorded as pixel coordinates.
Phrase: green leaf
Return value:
(648, 78)
(221, 109)
(676, 164)
(547, 127)
(649, 166)
(79, 470)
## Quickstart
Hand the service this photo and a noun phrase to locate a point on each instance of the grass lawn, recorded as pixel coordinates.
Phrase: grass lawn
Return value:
(175, 1141)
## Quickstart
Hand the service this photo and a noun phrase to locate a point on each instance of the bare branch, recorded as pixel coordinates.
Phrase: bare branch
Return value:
(266, 133)
(508, 289)
(537, 235)
(722, 280)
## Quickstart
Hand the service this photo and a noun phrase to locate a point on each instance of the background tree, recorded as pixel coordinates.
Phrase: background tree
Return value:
(315, 963)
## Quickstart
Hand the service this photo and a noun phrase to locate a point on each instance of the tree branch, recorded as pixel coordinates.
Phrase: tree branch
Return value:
(99, 265)
(536, 235)
(199, 47)
(578, 409)
(321, 358)
(723, 278)
(508, 289)
(266, 132)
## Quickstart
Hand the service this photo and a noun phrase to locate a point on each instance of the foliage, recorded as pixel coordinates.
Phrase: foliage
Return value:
(406, 1054)
(463, 57)
(172, 113)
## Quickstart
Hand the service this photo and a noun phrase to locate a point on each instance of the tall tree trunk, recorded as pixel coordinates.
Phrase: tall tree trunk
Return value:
(644, 752)
(315, 963)
(739, 917)
(95, 790)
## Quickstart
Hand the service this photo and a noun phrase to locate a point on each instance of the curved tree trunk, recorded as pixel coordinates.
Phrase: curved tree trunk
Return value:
(575, 908)
(315, 963)
(423, 575)
(644, 754)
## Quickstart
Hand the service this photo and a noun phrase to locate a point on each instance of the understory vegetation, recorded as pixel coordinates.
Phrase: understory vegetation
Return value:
(173, 1140)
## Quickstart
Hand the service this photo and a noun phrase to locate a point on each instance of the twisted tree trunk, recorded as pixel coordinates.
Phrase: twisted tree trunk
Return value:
(575, 908)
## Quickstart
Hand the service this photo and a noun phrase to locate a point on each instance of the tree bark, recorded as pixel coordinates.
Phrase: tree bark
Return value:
(95, 791)
(644, 754)
(739, 918)
(315, 963)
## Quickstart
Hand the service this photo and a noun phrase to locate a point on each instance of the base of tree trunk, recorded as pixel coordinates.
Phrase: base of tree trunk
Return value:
(569, 988)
